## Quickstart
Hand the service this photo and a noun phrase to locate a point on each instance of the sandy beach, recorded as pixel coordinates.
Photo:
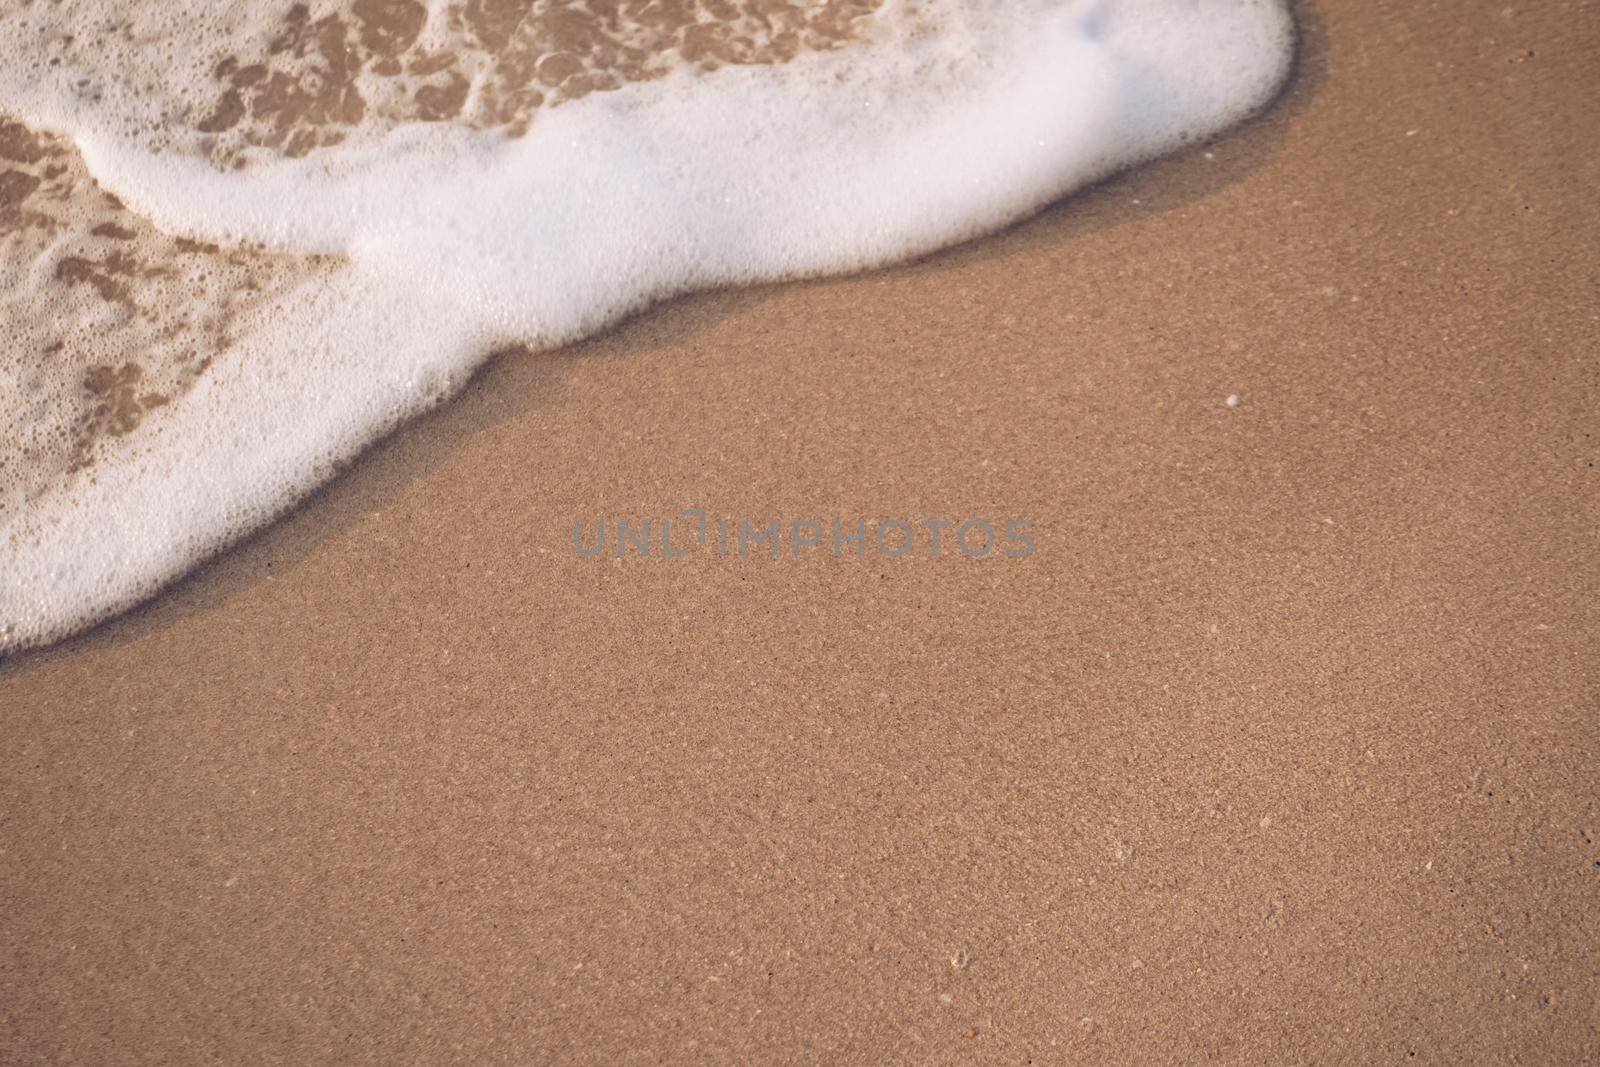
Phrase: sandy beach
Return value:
(1282, 745)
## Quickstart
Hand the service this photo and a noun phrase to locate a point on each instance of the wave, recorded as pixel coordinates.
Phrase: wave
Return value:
(245, 243)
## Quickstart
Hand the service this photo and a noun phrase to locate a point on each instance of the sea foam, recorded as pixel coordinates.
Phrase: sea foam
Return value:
(365, 254)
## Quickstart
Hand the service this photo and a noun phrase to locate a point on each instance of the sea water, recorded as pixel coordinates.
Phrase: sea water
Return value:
(240, 241)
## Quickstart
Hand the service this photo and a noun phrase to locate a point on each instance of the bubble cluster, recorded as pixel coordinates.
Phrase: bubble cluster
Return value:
(103, 319)
(240, 82)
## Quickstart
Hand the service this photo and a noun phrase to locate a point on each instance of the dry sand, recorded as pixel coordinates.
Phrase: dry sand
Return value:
(1284, 744)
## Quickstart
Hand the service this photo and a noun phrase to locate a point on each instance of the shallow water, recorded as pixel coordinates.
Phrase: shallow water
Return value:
(240, 242)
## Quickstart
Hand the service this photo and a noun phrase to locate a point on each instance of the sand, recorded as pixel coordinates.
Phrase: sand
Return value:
(1284, 743)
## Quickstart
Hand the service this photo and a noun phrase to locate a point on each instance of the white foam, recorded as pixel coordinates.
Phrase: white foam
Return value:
(461, 241)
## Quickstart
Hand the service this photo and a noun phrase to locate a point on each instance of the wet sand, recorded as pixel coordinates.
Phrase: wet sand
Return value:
(1283, 743)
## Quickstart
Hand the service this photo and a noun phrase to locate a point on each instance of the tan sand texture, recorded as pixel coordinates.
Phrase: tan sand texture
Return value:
(1282, 745)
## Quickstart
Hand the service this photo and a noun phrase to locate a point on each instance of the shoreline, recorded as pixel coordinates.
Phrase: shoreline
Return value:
(1280, 743)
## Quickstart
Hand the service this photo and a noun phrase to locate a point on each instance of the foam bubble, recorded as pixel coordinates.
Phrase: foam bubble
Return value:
(368, 256)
